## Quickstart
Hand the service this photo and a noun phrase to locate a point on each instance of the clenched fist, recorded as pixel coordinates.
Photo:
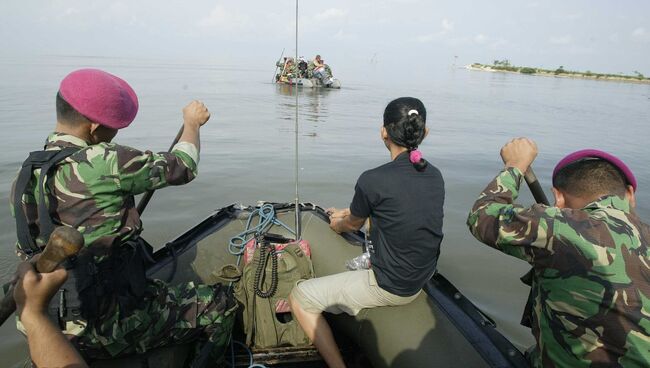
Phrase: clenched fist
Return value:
(34, 290)
(196, 113)
(519, 153)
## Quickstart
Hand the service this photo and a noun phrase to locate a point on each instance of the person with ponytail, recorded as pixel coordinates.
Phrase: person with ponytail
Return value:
(403, 200)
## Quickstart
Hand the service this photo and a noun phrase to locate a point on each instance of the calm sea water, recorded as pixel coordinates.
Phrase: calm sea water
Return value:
(248, 147)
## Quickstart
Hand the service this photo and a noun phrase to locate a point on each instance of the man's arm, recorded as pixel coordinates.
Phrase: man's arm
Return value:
(48, 346)
(342, 221)
(195, 115)
(141, 171)
(500, 223)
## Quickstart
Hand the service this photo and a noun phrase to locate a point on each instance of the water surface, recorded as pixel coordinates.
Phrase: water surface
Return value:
(248, 147)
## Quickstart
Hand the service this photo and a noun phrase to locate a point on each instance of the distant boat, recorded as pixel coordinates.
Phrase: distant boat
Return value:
(305, 77)
(311, 83)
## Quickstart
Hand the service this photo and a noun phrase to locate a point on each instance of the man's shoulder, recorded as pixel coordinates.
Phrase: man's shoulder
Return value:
(105, 157)
(594, 237)
(107, 150)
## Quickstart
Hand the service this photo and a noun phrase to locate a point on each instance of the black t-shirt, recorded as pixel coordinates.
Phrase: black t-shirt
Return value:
(405, 210)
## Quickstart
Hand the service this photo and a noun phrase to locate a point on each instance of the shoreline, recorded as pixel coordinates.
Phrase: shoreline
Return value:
(566, 74)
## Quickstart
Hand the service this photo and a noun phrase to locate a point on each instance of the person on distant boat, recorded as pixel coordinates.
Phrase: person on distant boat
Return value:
(591, 262)
(303, 67)
(81, 179)
(322, 71)
(288, 70)
(404, 201)
(48, 347)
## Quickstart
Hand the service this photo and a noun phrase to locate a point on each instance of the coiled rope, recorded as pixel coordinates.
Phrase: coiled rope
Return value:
(267, 250)
(267, 218)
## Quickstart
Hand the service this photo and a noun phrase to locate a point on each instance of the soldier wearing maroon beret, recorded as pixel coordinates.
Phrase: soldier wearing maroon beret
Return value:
(591, 264)
(84, 180)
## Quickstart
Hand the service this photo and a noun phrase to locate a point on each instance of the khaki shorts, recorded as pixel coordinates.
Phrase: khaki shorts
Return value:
(346, 292)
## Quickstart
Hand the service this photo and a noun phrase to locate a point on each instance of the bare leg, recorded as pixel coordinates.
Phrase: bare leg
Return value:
(319, 332)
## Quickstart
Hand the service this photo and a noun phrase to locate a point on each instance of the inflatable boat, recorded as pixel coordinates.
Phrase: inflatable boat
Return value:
(311, 83)
(441, 328)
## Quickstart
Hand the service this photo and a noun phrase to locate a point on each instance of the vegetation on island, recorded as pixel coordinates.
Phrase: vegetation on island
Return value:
(506, 66)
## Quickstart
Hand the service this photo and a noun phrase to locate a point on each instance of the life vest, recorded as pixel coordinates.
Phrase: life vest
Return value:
(93, 288)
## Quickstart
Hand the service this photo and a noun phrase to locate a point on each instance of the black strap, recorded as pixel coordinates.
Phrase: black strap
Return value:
(46, 224)
(172, 251)
(46, 161)
(527, 315)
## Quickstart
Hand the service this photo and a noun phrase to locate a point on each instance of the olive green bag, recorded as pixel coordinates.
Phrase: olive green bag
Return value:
(272, 266)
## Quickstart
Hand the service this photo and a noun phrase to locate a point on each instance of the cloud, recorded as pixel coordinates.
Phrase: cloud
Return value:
(342, 35)
(331, 14)
(221, 17)
(640, 32)
(446, 26)
(426, 38)
(481, 39)
(561, 40)
(567, 17)
(71, 12)
(490, 42)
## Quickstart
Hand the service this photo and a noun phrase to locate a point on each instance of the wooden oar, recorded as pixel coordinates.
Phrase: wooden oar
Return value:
(276, 66)
(540, 197)
(63, 243)
(535, 188)
(146, 197)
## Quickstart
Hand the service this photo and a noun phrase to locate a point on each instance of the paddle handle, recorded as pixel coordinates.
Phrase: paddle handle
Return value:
(276, 66)
(535, 187)
(63, 243)
(146, 197)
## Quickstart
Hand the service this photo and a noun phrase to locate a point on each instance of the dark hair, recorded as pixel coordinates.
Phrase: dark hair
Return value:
(589, 177)
(65, 113)
(404, 129)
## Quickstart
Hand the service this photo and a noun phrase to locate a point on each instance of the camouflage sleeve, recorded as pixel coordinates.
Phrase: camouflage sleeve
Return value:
(495, 220)
(141, 171)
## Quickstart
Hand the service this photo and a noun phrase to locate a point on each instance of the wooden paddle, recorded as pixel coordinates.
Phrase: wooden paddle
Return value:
(144, 201)
(540, 197)
(63, 243)
(535, 188)
(276, 66)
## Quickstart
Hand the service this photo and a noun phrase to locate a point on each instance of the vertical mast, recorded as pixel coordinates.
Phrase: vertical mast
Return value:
(297, 208)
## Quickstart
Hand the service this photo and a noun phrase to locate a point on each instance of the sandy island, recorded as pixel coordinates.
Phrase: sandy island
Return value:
(558, 73)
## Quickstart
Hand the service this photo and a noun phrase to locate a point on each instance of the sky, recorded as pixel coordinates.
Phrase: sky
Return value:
(407, 36)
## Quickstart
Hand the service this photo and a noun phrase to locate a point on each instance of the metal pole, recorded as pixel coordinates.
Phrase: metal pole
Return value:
(276, 67)
(297, 168)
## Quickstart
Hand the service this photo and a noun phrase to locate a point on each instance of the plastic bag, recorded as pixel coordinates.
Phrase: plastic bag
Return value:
(361, 262)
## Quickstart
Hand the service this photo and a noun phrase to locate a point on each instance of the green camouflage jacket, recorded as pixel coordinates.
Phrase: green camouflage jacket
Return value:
(591, 290)
(93, 190)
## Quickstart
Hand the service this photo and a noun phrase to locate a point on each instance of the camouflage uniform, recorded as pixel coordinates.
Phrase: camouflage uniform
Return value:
(93, 190)
(327, 70)
(288, 72)
(591, 296)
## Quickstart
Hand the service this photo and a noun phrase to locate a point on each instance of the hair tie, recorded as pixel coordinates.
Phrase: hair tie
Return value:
(415, 156)
(411, 112)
